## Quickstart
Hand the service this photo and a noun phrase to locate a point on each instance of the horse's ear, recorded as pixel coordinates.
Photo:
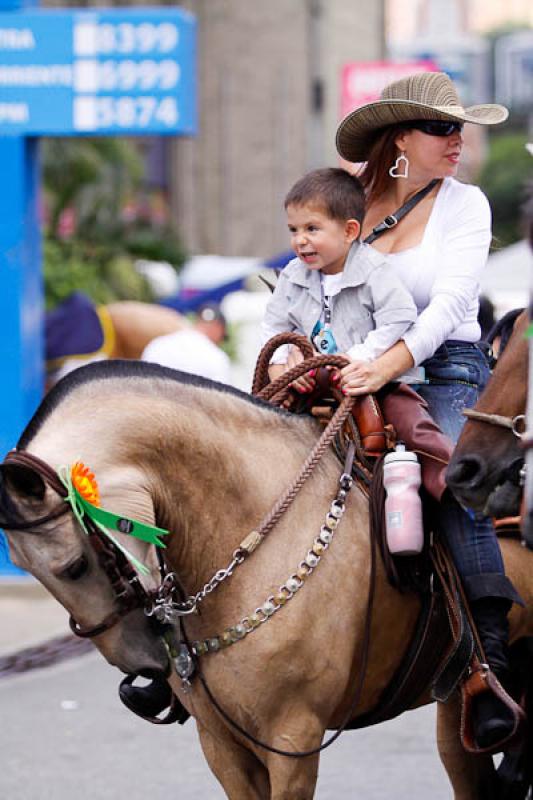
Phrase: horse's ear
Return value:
(23, 481)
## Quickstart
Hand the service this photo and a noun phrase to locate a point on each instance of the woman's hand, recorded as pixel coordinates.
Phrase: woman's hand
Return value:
(362, 377)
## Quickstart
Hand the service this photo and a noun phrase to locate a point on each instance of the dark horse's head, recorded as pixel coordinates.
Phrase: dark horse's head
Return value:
(484, 470)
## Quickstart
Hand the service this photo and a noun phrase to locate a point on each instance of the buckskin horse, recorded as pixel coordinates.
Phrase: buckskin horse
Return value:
(287, 626)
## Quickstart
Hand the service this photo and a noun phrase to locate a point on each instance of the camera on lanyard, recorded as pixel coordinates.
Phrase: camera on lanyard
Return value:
(324, 341)
(321, 335)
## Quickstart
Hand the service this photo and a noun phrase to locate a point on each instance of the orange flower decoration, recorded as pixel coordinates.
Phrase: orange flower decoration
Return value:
(84, 481)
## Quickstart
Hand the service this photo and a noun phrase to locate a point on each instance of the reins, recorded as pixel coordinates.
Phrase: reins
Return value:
(275, 392)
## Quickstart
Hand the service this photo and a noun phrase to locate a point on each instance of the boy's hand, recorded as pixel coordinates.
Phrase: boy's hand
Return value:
(305, 383)
(276, 370)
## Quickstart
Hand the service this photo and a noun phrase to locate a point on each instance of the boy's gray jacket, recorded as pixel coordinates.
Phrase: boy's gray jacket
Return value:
(370, 313)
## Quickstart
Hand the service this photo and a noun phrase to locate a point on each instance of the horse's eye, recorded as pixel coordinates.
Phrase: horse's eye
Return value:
(77, 569)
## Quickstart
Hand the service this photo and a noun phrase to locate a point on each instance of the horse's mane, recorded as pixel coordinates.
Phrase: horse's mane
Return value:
(504, 328)
(117, 368)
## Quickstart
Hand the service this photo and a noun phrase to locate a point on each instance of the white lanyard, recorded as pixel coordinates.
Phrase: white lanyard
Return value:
(325, 313)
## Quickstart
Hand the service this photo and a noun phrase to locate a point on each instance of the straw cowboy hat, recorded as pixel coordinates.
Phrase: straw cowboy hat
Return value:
(426, 95)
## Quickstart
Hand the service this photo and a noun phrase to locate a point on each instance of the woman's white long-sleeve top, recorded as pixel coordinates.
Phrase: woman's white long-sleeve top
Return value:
(443, 272)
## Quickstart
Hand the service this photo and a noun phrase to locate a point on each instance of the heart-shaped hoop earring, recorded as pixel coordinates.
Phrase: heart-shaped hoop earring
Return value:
(400, 168)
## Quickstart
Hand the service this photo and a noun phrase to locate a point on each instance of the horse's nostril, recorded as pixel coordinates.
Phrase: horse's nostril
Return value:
(468, 471)
(77, 569)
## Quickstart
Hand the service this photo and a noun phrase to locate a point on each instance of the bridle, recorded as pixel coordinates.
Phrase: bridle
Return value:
(515, 471)
(128, 591)
(515, 424)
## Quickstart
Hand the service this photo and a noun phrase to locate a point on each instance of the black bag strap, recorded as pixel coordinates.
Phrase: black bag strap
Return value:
(393, 219)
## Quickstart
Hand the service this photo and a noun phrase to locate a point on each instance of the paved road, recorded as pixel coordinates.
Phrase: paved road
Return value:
(65, 736)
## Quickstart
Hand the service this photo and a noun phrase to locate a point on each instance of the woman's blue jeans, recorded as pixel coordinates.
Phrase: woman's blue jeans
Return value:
(457, 374)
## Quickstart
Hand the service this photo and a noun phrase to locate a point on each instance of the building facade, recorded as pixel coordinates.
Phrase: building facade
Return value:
(269, 81)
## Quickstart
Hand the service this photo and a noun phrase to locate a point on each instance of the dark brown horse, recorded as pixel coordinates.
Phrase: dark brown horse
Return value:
(484, 470)
(486, 473)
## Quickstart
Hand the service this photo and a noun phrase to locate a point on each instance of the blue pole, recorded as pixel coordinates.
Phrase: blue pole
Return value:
(21, 303)
(21, 296)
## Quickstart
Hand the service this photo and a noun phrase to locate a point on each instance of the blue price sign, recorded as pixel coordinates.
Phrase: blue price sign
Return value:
(98, 72)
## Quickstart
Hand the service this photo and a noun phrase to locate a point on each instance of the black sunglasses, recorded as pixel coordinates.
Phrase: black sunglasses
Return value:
(436, 127)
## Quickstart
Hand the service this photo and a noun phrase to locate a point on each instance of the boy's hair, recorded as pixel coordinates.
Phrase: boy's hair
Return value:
(334, 190)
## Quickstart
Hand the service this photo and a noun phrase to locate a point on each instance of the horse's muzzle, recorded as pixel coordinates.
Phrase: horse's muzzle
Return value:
(467, 479)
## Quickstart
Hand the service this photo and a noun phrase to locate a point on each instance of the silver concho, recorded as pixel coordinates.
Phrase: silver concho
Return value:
(183, 662)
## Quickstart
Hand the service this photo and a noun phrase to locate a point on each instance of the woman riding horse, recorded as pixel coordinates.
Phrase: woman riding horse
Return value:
(411, 140)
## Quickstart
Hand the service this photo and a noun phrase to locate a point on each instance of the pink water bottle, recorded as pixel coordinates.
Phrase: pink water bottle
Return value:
(403, 507)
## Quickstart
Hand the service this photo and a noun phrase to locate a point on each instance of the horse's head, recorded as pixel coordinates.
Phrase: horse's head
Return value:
(91, 577)
(166, 450)
(484, 470)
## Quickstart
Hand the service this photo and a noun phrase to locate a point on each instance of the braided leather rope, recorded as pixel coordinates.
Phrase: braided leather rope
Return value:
(276, 392)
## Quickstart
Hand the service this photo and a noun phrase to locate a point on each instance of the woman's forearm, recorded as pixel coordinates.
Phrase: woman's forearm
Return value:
(395, 361)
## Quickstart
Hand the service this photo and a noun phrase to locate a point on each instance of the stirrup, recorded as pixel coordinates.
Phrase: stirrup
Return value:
(482, 679)
(176, 711)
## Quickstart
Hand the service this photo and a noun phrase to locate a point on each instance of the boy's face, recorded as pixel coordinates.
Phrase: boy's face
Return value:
(320, 242)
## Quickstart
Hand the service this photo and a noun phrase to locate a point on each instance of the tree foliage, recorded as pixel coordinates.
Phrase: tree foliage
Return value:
(90, 243)
(504, 179)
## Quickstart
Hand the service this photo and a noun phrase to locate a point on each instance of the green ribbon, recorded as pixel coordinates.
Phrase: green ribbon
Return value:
(106, 521)
(529, 330)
